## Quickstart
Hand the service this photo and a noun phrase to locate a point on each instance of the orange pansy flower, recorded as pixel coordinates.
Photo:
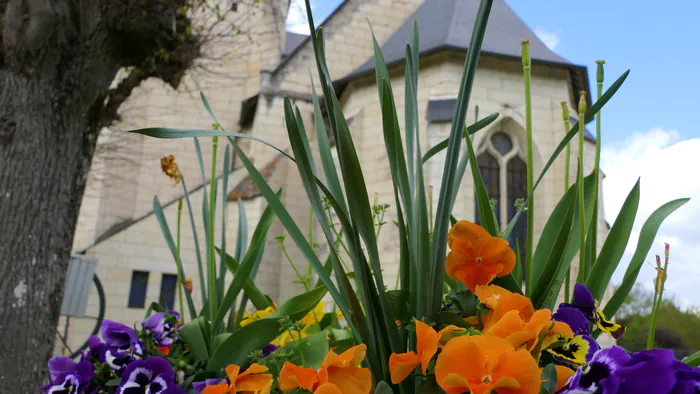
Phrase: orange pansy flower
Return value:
(520, 333)
(401, 365)
(343, 371)
(500, 301)
(563, 375)
(328, 388)
(293, 376)
(448, 333)
(484, 364)
(476, 257)
(253, 380)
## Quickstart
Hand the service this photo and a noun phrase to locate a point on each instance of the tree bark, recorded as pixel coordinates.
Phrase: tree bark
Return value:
(48, 142)
(57, 61)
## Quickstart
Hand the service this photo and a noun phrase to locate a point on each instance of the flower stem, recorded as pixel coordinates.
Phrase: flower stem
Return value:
(179, 260)
(583, 269)
(658, 295)
(567, 170)
(526, 61)
(600, 76)
(210, 248)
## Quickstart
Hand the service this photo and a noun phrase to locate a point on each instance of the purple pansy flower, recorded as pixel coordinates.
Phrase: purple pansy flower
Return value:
(121, 345)
(68, 377)
(613, 371)
(151, 376)
(268, 350)
(585, 303)
(580, 348)
(163, 330)
(199, 386)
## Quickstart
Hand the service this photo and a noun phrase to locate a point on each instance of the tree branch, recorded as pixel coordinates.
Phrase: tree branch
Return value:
(117, 96)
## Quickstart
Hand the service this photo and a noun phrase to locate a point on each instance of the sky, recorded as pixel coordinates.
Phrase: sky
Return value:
(649, 129)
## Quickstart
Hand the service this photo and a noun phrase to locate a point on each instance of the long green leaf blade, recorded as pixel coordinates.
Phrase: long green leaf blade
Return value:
(444, 209)
(646, 239)
(614, 246)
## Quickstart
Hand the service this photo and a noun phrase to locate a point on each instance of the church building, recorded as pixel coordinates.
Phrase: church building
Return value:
(119, 233)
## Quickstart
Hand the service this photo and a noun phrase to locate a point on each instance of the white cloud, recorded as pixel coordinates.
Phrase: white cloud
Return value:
(297, 20)
(667, 168)
(550, 38)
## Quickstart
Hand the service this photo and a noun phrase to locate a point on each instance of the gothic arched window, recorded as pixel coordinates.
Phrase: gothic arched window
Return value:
(502, 165)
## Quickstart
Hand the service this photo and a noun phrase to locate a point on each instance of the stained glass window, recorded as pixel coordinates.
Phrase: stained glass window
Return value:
(505, 176)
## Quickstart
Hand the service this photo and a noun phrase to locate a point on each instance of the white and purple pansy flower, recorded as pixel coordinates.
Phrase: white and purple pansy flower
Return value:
(163, 327)
(151, 376)
(121, 345)
(613, 371)
(68, 377)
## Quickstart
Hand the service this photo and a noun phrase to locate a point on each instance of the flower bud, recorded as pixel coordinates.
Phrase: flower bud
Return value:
(582, 103)
(565, 111)
(600, 74)
(526, 53)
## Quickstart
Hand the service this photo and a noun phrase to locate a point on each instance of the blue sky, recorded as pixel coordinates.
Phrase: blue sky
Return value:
(649, 128)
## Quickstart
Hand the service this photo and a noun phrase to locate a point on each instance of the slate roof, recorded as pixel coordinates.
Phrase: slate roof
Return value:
(292, 42)
(448, 25)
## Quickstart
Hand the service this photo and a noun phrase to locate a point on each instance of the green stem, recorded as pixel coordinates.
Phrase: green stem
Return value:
(599, 79)
(301, 278)
(567, 170)
(530, 170)
(657, 301)
(583, 269)
(210, 248)
(179, 260)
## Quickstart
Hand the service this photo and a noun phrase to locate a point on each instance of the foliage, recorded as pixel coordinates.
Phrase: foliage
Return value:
(394, 326)
(677, 327)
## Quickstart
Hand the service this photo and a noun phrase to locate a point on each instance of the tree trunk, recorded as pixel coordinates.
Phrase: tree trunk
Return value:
(46, 145)
(57, 61)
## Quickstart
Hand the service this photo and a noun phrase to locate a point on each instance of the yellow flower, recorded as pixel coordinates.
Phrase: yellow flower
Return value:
(257, 315)
(312, 318)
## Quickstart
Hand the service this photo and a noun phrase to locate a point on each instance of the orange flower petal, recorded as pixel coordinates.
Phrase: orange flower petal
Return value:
(465, 229)
(563, 375)
(254, 368)
(427, 344)
(497, 250)
(353, 380)
(232, 372)
(328, 388)
(401, 365)
(477, 274)
(448, 332)
(516, 368)
(462, 357)
(491, 348)
(352, 356)
(454, 384)
(221, 388)
(510, 323)
(255, 382)
(293, 376)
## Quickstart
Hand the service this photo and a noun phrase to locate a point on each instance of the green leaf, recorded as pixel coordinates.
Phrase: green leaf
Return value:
(313, 349)
(242, 233)
(447, 318)
(518, 269)
(250, 261)
(590, 114)
(165, 230)
(224, 220)
(398, 303)
(236, 348)
(549, 379)
(444, 207)
(614, 246)
(471, 129)
(193, 335)
(259, 300)
(486, 215)
(566, 246)
(693, 360)
(195, 236)
(646, 239)
(383, 388)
